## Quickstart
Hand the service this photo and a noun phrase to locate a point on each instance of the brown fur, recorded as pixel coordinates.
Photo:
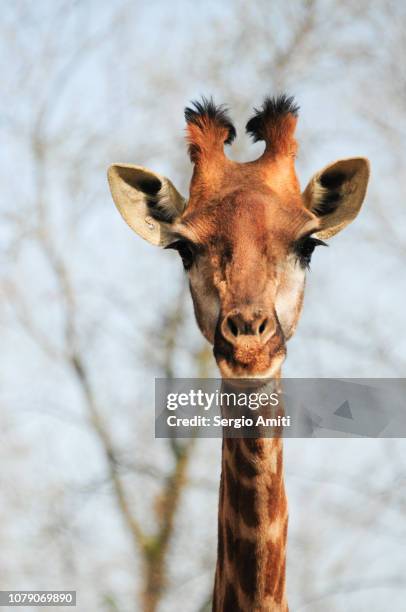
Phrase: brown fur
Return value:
(245, 466)
(242, 499)
(206, 140)
(254, 559)
(280, 138)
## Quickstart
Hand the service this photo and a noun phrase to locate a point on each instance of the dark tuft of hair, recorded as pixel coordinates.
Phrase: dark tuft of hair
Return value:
(328, 203)
(207, 108)
(271, 111)
(331, 197)
(332, 180)
(150, 186)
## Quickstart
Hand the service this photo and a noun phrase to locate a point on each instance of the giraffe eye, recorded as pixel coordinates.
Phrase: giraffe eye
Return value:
(304, 249)
(186, 250)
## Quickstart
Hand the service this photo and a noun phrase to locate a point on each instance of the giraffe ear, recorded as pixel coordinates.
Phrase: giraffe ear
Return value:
(148, 202)
(335, 194)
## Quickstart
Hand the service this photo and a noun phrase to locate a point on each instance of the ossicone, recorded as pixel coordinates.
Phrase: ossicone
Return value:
(209, 128)
(275, 124)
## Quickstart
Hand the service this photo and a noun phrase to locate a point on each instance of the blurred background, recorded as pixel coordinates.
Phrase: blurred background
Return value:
(90, 314)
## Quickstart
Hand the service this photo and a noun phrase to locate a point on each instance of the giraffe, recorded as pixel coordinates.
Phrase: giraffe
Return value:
(245, 235)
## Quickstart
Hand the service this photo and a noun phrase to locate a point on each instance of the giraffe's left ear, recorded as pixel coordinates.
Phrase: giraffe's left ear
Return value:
(335, 194)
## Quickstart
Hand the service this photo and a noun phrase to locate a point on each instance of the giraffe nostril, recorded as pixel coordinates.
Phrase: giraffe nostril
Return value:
(262, 327)
(232, 326)
(240, 325)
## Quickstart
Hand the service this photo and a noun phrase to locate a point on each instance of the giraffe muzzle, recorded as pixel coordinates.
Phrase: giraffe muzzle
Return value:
(248, 343)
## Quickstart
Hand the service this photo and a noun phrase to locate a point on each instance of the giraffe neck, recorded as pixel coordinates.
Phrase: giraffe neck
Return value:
(252, 527)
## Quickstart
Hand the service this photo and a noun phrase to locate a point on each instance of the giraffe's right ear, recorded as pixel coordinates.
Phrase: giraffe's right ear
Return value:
(148, 202)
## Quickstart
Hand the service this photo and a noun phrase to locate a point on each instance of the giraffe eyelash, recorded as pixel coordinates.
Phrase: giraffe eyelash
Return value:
(186, 250)
(304, 248)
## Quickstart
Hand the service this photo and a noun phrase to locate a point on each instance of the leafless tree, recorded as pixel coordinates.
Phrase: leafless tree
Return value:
(92, 83)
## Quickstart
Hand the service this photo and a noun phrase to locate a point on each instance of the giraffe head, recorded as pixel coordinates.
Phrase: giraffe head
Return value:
(246, 233)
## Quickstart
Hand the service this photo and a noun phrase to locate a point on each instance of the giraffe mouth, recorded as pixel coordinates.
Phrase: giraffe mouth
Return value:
(235, 370)
(266, 365)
